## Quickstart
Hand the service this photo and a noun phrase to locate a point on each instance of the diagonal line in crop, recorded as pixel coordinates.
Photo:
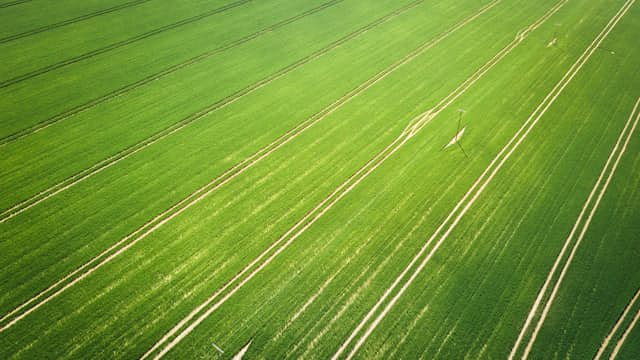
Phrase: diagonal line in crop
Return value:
(614, 330)
(516, 140)
(415, 125)
(612, 23)
(133, 149)
(71, 21)
(161, 74)
(581, 223)
(626, 333)
(119, 44)
(125, 243)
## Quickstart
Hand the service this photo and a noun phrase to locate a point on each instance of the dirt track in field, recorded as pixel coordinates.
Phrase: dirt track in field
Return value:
(127, 242)
(133, 149)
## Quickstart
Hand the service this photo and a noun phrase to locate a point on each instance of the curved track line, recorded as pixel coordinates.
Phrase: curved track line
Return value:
(516, 140)
(614, 330)
(186, 325)
(71, 21)
(195, 197)
(585, 227)
(159, 75)
(114, 159)
(119, 44)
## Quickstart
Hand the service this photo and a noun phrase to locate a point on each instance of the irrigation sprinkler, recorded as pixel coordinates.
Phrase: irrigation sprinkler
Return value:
(458, 142)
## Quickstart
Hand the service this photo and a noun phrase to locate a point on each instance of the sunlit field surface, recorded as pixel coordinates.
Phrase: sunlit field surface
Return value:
(270, 179)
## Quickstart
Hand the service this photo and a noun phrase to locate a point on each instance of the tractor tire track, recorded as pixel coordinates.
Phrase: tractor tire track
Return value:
(626, 333)
(272, 251)
(161, 74)
(133, 149)
(560, 259)
(125, 243)
(186, 325)
(614, 330)
(119, 44)
(71, 21)
(589, 50)
(13, 3)
(516, 140)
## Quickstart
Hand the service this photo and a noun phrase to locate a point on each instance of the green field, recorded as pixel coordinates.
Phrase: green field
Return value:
(320, 179)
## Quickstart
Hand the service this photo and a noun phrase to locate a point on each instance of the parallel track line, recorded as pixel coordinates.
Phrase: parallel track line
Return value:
(598, 40)
(516, 140)
(120, 44)
(222, 103)
(186, 325)
(626, 333)
(614, 330)
(124, 244)
(71, 21)
(159, 75)
(585, 226)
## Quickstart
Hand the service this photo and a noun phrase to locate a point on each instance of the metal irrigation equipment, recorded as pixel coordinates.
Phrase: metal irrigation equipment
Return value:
(458, 142)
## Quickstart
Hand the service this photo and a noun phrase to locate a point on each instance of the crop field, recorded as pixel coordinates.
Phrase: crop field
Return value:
(320, 179)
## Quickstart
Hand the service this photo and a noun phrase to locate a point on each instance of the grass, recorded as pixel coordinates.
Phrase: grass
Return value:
(472, 297)
(161, 113)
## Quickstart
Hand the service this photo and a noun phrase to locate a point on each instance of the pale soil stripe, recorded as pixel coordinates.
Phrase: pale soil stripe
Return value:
(539, 299)
(614, 330)
(347, 297)
(288, 238)
(301, 310)
(616, 350)
(422, 120)
(200, 194)
(508, 234)
(519, 38)
(126, 153)
(585, 226)
(558, 89)
(343, 308)
(159, 75)
(71, 21)
(514, 230)
(343, 295)
(367, 282)
(340, 192)
(414, 126)
(299, 270)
